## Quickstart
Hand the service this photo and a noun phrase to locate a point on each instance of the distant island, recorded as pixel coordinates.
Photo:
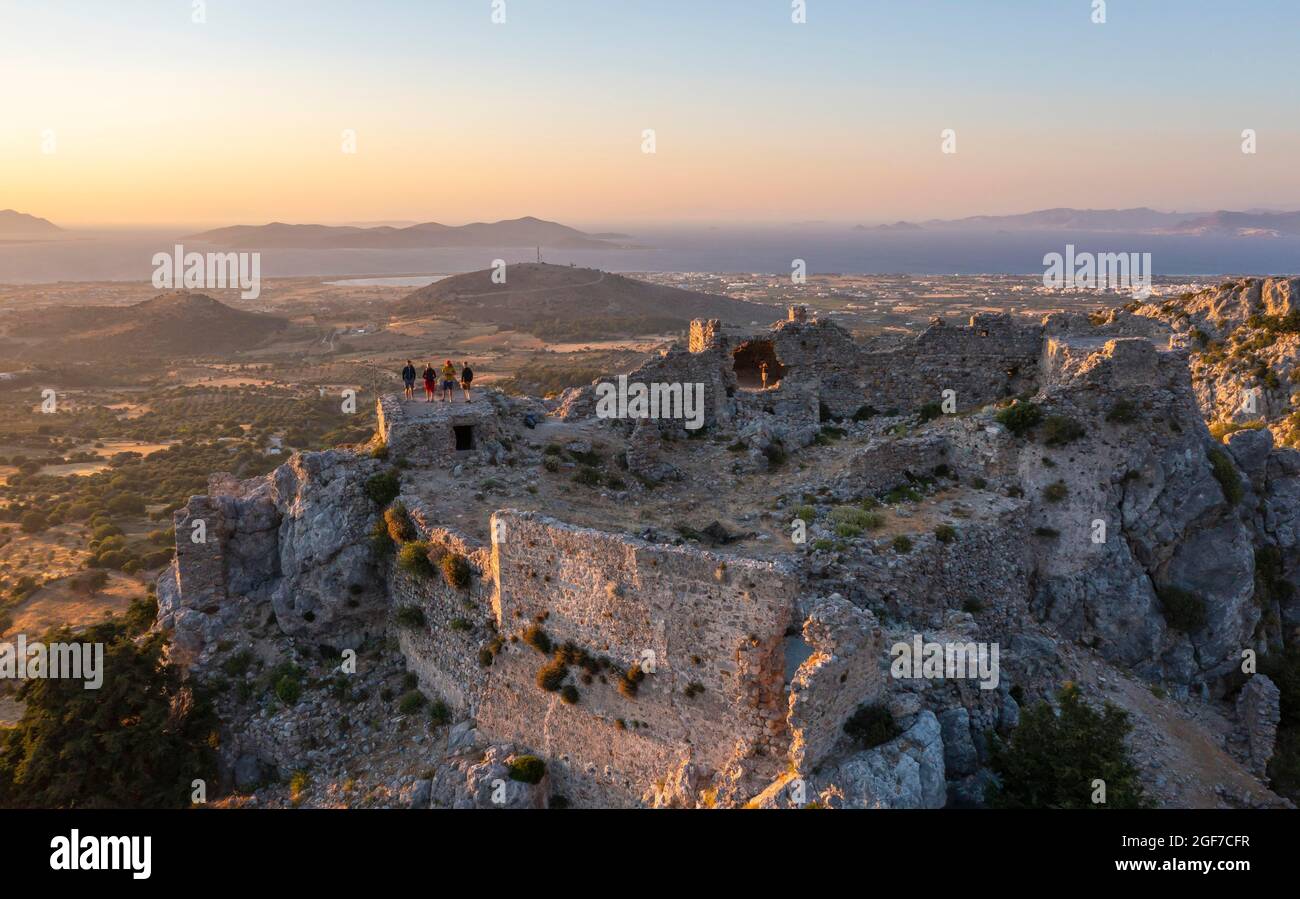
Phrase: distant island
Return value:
(1142, 220)
(13, 222)
(521, 232)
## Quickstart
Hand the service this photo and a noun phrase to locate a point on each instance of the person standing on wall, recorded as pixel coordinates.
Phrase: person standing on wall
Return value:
(466, 378)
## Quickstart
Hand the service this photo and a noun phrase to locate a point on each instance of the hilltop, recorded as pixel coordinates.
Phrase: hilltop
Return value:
(558, 301)
(521, 232)
(171, 324)
(14, 222)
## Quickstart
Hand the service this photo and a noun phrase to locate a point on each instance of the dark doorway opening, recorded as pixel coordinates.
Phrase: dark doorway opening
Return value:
(464, 437)
(749, 359)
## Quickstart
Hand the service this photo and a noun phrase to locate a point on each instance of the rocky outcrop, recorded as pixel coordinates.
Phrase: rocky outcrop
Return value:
(294, 541)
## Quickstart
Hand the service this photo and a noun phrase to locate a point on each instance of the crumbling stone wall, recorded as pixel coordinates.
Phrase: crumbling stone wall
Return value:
(712, 628)
(444, 653)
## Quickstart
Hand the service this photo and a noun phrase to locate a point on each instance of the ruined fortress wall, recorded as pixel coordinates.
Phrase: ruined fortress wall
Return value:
(458, 622)
(425, 434)
(845, 669)
(708, 622)
(991, 358)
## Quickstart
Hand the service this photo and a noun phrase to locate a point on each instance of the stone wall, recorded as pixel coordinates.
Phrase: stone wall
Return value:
(444, 653)
(711, 626)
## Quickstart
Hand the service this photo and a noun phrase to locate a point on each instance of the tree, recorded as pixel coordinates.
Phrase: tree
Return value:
(136, 742)
(1054, 758)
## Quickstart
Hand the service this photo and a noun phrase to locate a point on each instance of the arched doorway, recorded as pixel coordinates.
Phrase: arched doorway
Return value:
(748, 362)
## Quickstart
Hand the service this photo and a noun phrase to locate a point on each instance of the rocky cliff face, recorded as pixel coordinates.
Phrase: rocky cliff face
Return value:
(1244, 343)
(293, 542)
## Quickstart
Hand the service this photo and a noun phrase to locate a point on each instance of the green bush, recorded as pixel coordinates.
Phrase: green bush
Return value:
(288, 688)
(410, 617)
(537, 638)
(439, 714)
(398, 523)
(902, 544)
(413, 558)
(1058, 430)
(945, 533)
(871, 726)
(1226, 474)
(527, 769)
(456, 570)
(550, 677)
(382, 488)
(1124, 412)
(1020, 417)
(1183, 610)
(411, 702)
(1051, 759)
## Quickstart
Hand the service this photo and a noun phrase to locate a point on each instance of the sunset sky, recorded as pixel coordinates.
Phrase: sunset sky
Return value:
(158, 120)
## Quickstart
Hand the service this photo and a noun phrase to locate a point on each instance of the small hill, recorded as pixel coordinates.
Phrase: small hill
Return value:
(14, 222)
(521, 232)
(558, 302)
(171, 324)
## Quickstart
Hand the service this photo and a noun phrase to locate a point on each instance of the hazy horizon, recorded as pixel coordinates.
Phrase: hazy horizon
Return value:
(137, 115)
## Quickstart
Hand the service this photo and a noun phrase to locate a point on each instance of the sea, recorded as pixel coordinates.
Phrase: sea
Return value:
(823, 249)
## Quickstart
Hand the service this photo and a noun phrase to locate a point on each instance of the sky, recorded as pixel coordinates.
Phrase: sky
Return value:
(133, 113)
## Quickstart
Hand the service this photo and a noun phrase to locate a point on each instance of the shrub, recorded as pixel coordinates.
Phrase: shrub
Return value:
(410, 617)
(569, 694)
(413, 558)
(382, 488)
(439, 714)
(527, 769)
(1055, 492)
(381, 544)
(587, 476)
(298, 785)
(871, 726)
(398, 523)
(1058, 430)
(630, 683)
(1052, 759)
(945, 533)
(1184, 610)
(288, 688)
(535, 637)
(806, 513)
(850, 521)
(929, 412)
(1226, 474)
(1020, 417)
(864, 412)
(33, 522)
(550, 677)
(1124, 412)
(902, 544)
(456, 570)
(411, 702)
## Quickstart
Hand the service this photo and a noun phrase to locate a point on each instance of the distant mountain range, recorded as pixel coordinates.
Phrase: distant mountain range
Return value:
(560, 302)
(14, 222)
(177, 323)
(522, 232)
(1252, 223)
